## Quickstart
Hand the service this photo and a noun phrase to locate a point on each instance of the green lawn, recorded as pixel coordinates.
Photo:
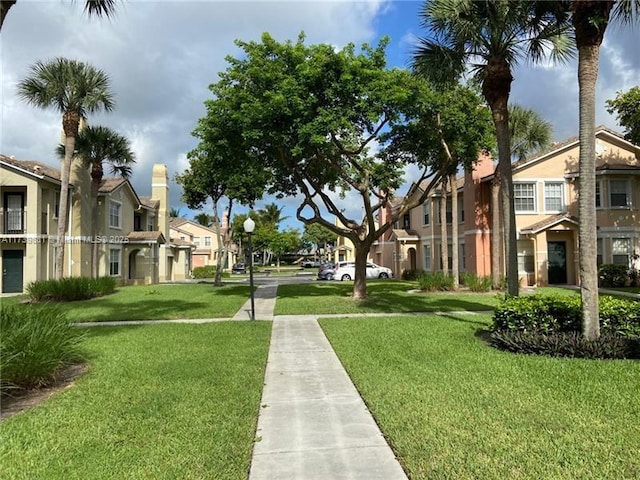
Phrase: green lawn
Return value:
(158, 302)
(384, 296)
(159, 401)
(454, 408)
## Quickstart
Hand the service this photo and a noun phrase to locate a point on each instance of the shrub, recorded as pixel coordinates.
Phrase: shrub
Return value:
(538, 313)
(435, 281)
(476, 283)
(35, 344)
(70, 289)
(613, 276)
(551, 325)
(411, 275)
(566, 344)
(207, 271)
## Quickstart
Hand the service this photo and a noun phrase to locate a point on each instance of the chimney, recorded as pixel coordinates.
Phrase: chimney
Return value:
(160, 192)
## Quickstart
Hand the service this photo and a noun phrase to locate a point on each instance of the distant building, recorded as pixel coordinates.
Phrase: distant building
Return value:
(133, 231)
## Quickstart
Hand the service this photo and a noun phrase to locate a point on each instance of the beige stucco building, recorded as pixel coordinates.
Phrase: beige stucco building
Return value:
(132, 238)
(204, 239)
(546, 202)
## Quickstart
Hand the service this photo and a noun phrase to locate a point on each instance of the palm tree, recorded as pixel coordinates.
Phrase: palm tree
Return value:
(529, 133)
(203, 219)
(98, 8)
(491, 37)
(95, 147)
(271, 215)
(590, 20)
(74, 89)
(174, 212)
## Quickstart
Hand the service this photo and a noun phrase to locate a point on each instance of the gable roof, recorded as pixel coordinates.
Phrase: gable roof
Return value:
(146, 236)
(549, 222)
(111, 184)
(177, 222)
(32, 168)
(404, 234)
(149, 202)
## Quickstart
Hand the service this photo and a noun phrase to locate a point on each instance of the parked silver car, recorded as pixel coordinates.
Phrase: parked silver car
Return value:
(348, 272)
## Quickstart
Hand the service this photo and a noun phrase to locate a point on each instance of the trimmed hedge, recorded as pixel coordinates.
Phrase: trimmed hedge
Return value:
(411, 275)
(551, 325)
(207, 271)
(70, 289)
(36, 342)
(613, 276)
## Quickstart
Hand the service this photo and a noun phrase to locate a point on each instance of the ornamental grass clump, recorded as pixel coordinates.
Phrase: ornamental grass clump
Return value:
(475, 283)
(70, 289)
(435, 281)
(35, 345)
(551, 325)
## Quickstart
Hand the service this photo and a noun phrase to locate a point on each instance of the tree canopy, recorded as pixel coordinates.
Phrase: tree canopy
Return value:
(626, 106)
(317, 121)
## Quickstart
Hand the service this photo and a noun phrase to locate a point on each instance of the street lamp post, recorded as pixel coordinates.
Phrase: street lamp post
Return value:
(249, 225)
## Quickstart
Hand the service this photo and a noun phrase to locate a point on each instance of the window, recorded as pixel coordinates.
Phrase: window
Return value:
(462, 262)
(137, 223)
(449, 257)
(207, 241)
(460, 209)
(114, 261)
(553, 197)
(427, 257)
(598, 194)
(14, 213)
(526, 263)
(426, 206)
(114, 214)
(196, 241)
(406, 221)
(619, 194)
(599, 250)
(524, 197)
(448, 213)
(621, 251)
(56, 204)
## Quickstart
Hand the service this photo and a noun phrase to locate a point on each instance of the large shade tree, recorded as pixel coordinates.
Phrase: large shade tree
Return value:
(75, 89)
(322, 120)
(490, 38)
(590, 20)
(97, 8)
(626, 106)
(98, 147)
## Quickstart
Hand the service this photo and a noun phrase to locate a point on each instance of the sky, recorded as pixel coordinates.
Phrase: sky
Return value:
(161, 57)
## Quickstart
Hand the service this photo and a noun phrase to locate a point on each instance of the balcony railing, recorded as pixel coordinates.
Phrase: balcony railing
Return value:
(13, 221)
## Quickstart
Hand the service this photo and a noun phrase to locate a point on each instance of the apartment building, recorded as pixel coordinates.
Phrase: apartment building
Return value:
(203, 238)
(546, 202)
(132, 239)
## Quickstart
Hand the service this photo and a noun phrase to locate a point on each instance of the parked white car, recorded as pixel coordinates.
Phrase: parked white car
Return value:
(348, 272)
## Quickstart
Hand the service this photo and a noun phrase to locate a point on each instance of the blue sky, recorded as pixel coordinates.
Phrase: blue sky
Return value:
(162, 55)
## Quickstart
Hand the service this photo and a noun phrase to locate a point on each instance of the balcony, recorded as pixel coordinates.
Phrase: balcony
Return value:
(13, 222)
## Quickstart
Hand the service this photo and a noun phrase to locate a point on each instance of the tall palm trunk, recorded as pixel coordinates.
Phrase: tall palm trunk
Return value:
(70, 124)
(97, 173)
(444, 241)
(455, 261)
(497, 270)
(496, 88)
(223, 242)
(587, 75)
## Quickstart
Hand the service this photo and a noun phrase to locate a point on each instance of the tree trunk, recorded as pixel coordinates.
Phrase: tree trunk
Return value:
(360, 282)
(587, 237)
(219, 261)
(95, 245)
(63, 209)
(454, 232)
(5, 5)
(444, 244)
(497, 270)
(501, 120)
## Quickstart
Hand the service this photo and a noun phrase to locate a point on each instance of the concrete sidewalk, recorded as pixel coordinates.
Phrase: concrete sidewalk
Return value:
(313, 423)
(264, 302)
